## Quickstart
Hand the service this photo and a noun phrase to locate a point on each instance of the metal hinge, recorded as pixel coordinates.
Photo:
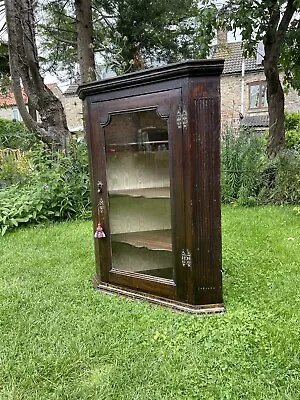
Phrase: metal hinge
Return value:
(181, 118)
(186, 258)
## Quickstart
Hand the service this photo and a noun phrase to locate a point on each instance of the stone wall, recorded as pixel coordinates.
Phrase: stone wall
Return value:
(73, 109)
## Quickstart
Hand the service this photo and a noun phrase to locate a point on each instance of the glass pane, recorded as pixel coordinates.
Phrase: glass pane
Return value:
(138, 179)
(264, 95)
(254, 96)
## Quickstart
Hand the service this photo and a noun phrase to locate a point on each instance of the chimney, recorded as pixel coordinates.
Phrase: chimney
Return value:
(222, 37)
(222, 48)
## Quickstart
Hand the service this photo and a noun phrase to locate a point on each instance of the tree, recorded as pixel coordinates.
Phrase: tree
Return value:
(25, 69)
(4, 59)
(128, 34)
(155, 31)
(85, 46)
(274, 22)
(58, 32)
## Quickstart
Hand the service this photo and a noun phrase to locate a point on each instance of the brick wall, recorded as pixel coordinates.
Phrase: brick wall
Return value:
(231, 87)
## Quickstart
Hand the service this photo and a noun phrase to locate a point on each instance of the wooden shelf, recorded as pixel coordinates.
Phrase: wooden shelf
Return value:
(152, 240)
(141, 147)
(138, 143)
(151, 193)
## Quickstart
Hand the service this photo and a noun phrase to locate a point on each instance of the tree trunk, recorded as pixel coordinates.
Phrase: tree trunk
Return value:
(24, 67)
(86, 59)
(275, 97)
(273, 41)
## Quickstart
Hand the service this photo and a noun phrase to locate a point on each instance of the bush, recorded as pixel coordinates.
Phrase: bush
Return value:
(281, 179)
(15, 141)
(242, 157)
(14, 167)
(56, 189)
(248, 177)
(14, 135)
(292, 130)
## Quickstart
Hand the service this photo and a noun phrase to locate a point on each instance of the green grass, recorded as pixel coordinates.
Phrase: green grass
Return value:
(61, 339)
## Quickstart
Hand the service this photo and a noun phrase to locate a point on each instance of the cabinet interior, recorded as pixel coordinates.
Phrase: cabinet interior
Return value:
(138, 183)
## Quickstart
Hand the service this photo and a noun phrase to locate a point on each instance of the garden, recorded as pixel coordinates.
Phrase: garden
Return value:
(61, 339)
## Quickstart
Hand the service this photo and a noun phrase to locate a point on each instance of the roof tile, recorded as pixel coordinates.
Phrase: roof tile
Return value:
(233, 54)
(8, 99)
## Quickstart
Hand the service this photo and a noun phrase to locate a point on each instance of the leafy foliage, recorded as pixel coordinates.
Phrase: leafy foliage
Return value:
(292, 130)
(14, 167)
(56, 189)
(281, 179)
(248, 177)
(290, 56)
(59, 28)
(4, 60)
(128, 34)
(254, 20)
(157, 31)
(243, 154)
(14, 135)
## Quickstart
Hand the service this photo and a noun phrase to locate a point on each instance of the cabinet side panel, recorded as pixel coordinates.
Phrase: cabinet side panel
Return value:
(207, 209)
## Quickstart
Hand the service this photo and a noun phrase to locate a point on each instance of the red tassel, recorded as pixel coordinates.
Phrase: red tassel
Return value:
(99, 234)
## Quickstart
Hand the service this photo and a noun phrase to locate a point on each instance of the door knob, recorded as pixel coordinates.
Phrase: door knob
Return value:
(99, 187)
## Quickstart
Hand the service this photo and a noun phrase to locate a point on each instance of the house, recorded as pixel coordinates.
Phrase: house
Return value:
(8, 105)
(243, 88)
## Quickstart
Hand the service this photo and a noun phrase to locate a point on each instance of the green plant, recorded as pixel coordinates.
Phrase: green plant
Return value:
(23, 205)
(292, 130)
(292, 138)
(14, 167)
(14, 135)
(242, 157)
(281, 179)
(56, 189)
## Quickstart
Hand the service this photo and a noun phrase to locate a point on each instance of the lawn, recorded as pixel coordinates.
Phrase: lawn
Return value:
(61, 339)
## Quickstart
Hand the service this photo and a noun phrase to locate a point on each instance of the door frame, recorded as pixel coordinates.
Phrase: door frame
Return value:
(166, 103)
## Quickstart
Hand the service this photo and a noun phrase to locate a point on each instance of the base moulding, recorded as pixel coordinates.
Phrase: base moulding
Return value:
(175, 305)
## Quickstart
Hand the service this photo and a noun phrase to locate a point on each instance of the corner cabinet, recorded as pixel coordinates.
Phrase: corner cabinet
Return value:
(153, 141)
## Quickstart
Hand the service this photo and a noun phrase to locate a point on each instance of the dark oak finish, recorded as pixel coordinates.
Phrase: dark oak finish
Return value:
(186, 96)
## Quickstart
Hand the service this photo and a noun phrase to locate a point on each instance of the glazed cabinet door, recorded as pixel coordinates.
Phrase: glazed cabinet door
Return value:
(139, 193)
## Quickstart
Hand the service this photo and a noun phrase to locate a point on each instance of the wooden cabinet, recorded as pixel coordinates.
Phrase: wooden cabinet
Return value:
(153, 140)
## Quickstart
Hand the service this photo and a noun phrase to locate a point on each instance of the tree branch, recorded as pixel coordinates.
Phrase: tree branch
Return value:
(57, 30)
(274, 16)
(62, 40)
(286, 19)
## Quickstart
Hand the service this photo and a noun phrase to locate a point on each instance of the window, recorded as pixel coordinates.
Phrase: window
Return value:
(258, 95)
(16, 114)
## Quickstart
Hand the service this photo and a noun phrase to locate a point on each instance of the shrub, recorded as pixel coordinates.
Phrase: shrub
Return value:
(14, 167)
(292, 130)
(56, 189)
(66, 177)
(14, 135)
(242, 157)
(292, 138)
(281, 179)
